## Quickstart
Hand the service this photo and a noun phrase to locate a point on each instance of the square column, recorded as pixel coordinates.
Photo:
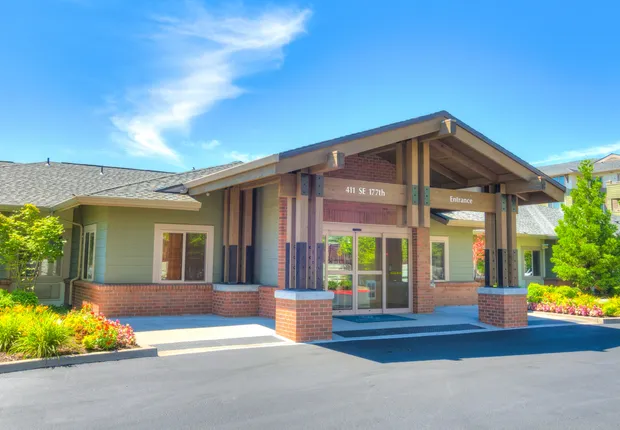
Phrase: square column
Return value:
(304, 315)
(503, 307)
(423, 294)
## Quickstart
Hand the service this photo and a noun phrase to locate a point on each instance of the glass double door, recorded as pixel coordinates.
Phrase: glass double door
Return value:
(367, 271)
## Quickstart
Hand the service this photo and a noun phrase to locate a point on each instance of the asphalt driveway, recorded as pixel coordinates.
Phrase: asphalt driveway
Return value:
(552, 378)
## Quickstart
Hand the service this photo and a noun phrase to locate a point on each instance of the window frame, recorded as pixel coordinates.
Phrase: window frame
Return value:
(160, 229)
(57, 263)
(541, 261)
(91, 228)
(446, 241)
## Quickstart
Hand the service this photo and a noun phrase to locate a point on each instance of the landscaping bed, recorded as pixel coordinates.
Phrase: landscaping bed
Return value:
(570, 301)
(29, 330)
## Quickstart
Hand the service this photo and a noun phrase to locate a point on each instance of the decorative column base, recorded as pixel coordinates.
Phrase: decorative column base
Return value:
(304, 315)
(503, 307)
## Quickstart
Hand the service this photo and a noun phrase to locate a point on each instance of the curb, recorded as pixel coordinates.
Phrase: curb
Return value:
(71, 360)
(575, 318)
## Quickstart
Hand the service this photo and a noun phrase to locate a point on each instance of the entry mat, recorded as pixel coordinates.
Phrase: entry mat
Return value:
(373, 318)
(407, 330)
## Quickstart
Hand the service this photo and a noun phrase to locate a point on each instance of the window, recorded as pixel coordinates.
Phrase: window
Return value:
(88, 254)
(439, 259)
(183, 253)
(531, 263)
(51, 268)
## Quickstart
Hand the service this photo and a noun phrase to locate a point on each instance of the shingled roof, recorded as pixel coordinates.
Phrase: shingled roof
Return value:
(609, 163)
(534, 220)
(50, 184)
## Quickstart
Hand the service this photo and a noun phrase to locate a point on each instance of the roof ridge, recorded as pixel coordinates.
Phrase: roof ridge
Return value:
(111, 167)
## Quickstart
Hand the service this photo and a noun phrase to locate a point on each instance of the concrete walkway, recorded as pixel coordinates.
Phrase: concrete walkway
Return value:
(174, 335)
(185, 334)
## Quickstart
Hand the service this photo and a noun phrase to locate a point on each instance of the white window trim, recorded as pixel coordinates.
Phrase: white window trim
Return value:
(542, 261)
(92, 228)
(446, 241)
(160, 229)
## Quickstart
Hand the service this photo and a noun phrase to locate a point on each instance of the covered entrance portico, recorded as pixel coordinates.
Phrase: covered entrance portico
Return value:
(355, 214)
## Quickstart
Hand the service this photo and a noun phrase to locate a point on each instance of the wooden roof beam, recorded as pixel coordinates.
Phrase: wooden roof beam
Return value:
(443, 170)
(334, 161)
(462, 158)
(520, 187)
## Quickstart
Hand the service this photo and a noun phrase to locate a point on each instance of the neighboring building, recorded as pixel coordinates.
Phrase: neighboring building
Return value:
(369, 217)
(606, 168)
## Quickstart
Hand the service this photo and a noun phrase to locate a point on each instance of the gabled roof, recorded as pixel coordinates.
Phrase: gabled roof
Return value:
(609, 163)
(535, 220)
(57, 186)
(472, 158)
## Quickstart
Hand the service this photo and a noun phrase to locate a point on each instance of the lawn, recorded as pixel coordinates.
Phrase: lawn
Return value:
(30, 330)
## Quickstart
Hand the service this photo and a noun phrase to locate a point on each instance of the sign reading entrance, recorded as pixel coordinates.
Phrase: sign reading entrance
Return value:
(455, 200)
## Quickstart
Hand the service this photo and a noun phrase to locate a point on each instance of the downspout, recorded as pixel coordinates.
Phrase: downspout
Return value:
(78, 274)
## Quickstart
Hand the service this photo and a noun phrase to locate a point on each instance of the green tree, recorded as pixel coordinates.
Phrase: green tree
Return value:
(26, 240)
(588, 251)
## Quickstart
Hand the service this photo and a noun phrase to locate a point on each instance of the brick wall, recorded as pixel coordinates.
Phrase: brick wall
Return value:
(366, 168)
(503, 311)
(235, 304)
(304, 320)
(115, 300)
(456, 293)
(359, 213)
(266, 302)
(423, 294)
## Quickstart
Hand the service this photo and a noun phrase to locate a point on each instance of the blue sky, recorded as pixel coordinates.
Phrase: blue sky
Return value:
(173, 85)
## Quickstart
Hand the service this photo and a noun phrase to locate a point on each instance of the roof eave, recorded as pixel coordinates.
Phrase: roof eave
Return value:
(126, 202)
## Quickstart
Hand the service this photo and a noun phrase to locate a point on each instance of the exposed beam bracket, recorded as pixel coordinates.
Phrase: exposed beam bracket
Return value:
(334, 161)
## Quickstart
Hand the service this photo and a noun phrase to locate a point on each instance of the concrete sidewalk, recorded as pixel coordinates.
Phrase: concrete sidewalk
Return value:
(174, 335)
(184, 334)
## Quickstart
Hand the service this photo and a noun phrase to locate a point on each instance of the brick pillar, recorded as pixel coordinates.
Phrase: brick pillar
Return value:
(503, 307)
(304, 315)
(423, 294)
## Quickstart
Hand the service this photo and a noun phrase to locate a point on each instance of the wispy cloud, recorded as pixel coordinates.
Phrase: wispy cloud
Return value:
(210, 145)
(242, 156)
(577, 154)
(210, 52)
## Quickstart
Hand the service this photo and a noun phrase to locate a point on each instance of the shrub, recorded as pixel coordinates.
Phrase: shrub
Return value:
(567, 292)
(44, 335)
(26, 298)
(6, 299)
(9, 331)
(535, 292)
(96, 332)
(611, 308)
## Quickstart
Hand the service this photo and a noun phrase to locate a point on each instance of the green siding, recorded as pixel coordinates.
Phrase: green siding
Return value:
(460, 250)
(266, 239)
(130, 238)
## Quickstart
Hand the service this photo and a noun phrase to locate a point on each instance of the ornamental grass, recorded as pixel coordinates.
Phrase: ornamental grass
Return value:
(30, 330)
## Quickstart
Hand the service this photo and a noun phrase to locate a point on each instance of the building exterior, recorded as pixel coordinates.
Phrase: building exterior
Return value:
(607, 168)
(366, 223)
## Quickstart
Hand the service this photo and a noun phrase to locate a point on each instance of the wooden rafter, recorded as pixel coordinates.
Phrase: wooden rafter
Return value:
(450, 174)
(464, 159)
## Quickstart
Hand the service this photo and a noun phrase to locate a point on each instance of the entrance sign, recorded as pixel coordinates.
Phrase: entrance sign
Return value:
(455, 200)
(365, 191)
